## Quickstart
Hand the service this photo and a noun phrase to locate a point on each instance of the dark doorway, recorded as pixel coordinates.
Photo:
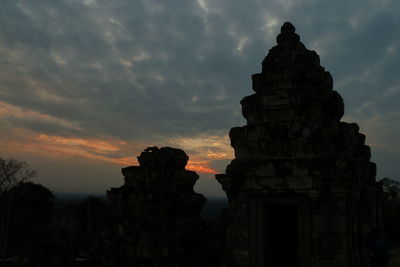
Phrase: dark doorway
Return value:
(281, 237)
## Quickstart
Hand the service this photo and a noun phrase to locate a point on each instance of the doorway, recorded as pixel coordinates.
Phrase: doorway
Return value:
(279, 230)
(281, 234)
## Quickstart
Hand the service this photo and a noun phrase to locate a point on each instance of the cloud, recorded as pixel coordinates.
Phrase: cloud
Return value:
(203, 150)
(173, 72)
(18, 116)
(118, 152)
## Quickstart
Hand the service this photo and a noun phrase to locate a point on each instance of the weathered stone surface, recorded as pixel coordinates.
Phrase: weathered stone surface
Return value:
(159, 211)
(295, 151)
(165, 157)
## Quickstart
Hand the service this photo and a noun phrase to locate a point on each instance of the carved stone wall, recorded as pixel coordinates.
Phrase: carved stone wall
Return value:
(296, 159)
(159, 211)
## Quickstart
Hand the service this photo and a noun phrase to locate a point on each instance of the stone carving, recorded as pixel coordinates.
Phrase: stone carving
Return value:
(159, 211)
(299, 173)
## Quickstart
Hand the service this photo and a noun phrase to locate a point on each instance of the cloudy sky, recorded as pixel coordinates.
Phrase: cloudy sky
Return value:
(86, 85)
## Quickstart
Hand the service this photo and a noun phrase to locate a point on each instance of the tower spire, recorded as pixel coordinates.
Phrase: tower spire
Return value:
(287, 35)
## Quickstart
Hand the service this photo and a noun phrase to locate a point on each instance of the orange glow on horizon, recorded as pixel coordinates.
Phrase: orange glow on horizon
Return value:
(96, 145)
(86, 148)
(200, 166)
(108, 150)
(27, 142)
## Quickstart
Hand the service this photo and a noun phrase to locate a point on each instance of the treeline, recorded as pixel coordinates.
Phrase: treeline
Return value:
(391, 208)
(36, 229)
(43, 231)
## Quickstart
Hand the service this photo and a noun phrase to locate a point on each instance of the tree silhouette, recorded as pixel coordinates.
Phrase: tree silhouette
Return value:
(29, 217)
(13, 172)
(391, 208)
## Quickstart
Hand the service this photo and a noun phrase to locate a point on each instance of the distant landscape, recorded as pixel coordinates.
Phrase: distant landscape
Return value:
(211, 209)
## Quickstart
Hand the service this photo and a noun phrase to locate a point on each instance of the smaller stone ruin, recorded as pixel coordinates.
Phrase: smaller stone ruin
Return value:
(158, 211)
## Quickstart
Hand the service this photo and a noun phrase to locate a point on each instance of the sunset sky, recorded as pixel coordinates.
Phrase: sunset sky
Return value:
(86, 85)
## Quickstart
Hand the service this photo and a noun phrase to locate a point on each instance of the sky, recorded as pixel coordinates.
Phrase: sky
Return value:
(86, 85)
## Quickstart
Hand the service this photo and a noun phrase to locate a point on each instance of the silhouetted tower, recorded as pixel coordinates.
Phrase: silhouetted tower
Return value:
(159, 211)
(301, 188)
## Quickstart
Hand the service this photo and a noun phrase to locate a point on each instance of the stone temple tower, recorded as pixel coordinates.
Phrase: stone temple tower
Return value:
(158, 212)
(301, 189)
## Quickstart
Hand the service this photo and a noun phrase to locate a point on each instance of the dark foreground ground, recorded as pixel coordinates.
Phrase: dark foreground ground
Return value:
(395, 256)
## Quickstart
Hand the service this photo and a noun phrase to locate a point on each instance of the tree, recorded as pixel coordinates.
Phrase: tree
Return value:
(27, 224)
(13, 172)
(391, 189)
(391, 208)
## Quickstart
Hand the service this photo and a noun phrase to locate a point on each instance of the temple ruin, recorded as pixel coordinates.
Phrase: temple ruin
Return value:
(159, 224)
(301, 189)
